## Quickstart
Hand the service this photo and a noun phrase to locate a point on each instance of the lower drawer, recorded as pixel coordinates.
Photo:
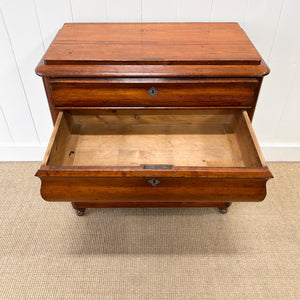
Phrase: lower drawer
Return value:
(138, 189)
(153, 156)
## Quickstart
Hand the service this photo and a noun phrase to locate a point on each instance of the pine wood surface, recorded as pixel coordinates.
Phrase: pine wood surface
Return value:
(154, 43)
(149, 71)
(119, 140)
(108, 127)
(134, 93)
(134, 138)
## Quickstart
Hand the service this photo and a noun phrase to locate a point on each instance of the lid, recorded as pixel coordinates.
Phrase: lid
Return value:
(152, 43)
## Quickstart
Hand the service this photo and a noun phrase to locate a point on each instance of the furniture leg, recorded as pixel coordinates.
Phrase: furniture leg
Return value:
(223, 209)
(79, 210)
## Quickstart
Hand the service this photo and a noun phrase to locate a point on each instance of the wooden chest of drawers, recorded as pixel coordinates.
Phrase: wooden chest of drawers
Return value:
(152, 115)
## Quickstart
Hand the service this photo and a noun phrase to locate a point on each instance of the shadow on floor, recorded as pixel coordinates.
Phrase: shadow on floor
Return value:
(152, 231)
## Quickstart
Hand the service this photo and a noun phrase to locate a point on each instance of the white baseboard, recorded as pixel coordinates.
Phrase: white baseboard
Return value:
(272, 152)
(22, 153)
(281, 152)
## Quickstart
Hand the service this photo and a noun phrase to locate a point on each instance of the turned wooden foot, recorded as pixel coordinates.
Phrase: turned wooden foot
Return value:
(223, 210)
(80, 212)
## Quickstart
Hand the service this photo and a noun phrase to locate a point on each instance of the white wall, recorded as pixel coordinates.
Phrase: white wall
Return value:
(28, 26)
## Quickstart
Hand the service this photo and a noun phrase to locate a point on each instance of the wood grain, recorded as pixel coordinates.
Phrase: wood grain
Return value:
(54, 112)
(128, 93)
(138, 189)
(176, 172)
(102, 204)
(59, 142)
(54, 138)
(158, 71)
(109, 127)
(155, 43)
(134, 138)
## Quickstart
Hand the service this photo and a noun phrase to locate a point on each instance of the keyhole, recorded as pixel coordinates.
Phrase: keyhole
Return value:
(152, 92)
(154, 182)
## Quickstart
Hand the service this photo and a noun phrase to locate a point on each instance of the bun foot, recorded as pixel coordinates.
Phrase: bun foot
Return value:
(80, 212)
(222, 210)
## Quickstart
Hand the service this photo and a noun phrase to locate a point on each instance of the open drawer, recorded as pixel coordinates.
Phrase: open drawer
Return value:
(153, 155)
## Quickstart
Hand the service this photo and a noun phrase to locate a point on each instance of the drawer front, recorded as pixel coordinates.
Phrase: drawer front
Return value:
(199, 93)
(122, 189)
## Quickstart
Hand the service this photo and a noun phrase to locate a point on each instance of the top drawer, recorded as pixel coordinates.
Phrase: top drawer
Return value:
(153, 92)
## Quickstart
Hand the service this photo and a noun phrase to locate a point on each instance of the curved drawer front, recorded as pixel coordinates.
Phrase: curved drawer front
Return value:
(138, 189)
(174, 93)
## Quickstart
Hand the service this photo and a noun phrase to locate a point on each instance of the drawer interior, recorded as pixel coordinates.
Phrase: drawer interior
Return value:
(147, 138)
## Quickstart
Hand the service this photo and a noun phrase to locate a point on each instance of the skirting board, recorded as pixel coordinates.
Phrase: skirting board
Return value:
(272, 152)
(22, 153)
(281, 152)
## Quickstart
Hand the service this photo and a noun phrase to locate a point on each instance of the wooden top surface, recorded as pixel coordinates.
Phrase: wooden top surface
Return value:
(152, 43)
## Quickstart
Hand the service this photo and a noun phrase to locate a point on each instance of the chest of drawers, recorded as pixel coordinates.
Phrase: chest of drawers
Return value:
(152, 114)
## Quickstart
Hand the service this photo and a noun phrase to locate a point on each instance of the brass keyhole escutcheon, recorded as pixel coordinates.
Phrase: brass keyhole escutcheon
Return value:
(154, 181)
(152, 92)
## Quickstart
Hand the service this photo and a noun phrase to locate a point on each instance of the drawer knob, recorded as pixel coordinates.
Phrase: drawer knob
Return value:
(152, 92)
(154, 182)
